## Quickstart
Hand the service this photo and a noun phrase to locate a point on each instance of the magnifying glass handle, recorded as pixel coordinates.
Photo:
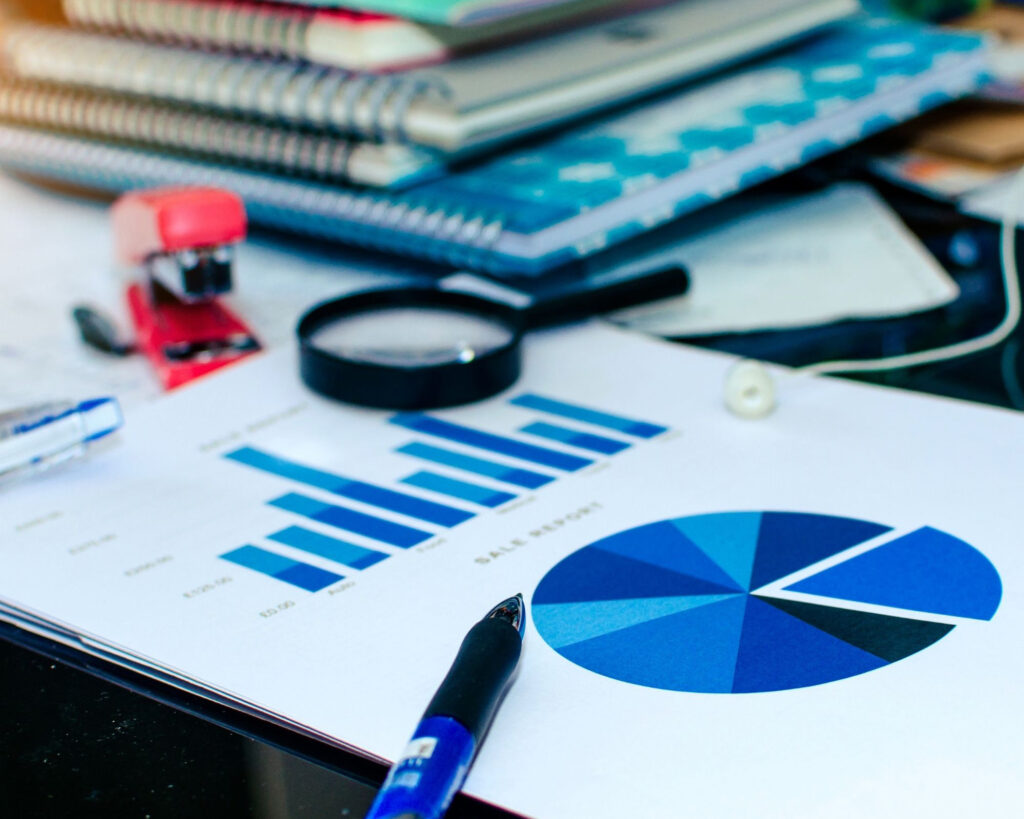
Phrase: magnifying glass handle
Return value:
(572, 304)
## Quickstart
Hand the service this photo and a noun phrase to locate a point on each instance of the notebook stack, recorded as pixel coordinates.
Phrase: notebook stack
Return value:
(510, 136)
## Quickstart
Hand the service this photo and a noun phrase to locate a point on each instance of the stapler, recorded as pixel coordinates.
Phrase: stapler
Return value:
(179, 244)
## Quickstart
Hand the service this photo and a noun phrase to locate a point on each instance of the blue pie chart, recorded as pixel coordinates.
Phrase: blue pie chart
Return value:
(682, 604)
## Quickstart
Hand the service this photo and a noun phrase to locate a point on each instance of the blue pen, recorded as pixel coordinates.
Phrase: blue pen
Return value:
(424, 781)
(38, 437)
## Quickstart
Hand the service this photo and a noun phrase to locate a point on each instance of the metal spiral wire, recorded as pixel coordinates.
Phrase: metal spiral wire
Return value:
(373, 106)
(402, 224)
(121, 118)
(234, 26)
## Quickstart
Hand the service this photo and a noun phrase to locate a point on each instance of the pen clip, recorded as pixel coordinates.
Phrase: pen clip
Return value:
(24, 419)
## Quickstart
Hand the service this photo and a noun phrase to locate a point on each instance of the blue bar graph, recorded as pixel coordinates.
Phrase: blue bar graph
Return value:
(478, 466)
(490, 442)
(348, 554)
(459, 489)
(640, 429)
(290, 571)
(350, 520)
(352, 489)
(573, 437)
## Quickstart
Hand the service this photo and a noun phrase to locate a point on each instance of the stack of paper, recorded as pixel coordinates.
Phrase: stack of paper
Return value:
(773, 263)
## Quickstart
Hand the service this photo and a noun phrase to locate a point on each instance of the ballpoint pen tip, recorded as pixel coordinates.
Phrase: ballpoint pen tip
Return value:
(512, 610)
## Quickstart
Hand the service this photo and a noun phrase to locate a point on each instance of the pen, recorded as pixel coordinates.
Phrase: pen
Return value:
(422, 784)
(37, 437)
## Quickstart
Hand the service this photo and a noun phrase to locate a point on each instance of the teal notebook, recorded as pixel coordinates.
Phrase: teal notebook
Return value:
(568, 196)
(444, 12)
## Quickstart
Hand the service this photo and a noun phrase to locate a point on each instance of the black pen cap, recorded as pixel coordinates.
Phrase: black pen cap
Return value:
(475, 684)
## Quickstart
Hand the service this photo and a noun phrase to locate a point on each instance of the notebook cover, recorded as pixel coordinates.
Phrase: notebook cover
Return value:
(346, 38)
(540, 206)
(446, 12)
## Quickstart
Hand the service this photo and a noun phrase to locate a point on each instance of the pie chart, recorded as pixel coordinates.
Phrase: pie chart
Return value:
(744, 602)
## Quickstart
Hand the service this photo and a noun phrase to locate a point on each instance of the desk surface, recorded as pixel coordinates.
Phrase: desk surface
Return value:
(85, 738)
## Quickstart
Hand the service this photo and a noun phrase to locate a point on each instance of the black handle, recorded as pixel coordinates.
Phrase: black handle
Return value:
(565, 306)
(99, 332)
(475, 684)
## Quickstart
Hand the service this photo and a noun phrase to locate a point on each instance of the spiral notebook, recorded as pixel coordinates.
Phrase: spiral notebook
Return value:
(446, 12)
(315, 155)
(572, 195)
(338, 37)
(464, 104)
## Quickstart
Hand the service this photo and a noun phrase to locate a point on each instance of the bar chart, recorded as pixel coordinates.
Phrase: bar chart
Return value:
(463, 471)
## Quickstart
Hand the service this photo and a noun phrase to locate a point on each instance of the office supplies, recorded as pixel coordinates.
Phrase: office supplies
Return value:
(466, 104)
(574, 194)
(40, 437)
(181, 239)
(424, 781)
(283, 277)
(449, 344)
(39, 355)
(763, 262)
(339, 37)
(833, 704)
(300, 152)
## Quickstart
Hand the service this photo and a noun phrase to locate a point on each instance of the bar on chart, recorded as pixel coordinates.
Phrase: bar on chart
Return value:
(385, 531)
(477, 466)
(471, 492)
(338, 551)
(490, 442)
(301, 575)
(576, 438)
(629, 426)
(367, 493)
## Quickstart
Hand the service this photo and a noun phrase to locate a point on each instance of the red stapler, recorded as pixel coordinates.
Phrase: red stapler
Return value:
(182, 240)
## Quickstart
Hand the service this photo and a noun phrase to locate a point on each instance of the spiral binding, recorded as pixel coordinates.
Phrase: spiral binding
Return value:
(374, 106)
(397, 223)
(326, 158)
(276, 31)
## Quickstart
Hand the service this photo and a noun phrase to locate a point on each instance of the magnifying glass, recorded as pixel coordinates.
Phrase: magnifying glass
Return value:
(428, 347)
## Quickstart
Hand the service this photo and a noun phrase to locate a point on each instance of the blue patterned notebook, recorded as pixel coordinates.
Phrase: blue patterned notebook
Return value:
(565, 197)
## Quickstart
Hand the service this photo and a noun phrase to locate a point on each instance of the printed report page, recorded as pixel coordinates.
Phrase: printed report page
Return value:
(784, 617)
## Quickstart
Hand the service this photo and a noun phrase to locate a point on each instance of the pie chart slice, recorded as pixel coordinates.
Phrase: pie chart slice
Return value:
(568, 623)
(885, 636)
(695, 650)
(731, 541)
(777, 652)
(787, 542)
(926, 570)
(665, 545)
(595, 574)
(666, 605)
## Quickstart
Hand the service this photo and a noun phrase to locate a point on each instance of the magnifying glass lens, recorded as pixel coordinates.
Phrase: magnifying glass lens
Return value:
(412, 336)
(409, 348)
